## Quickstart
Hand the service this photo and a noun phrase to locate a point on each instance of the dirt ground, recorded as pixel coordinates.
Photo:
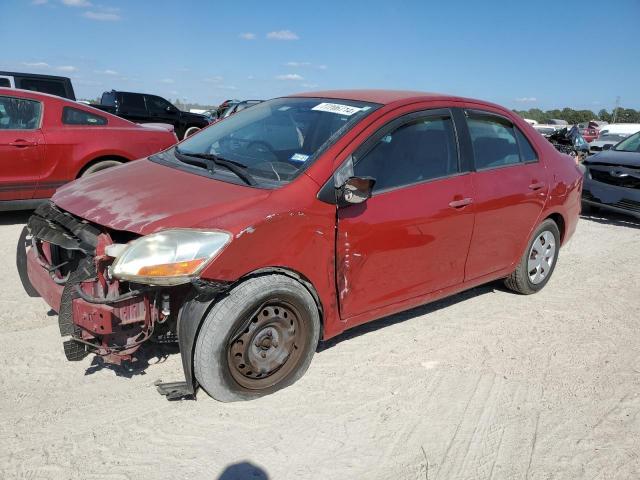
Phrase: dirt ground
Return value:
(486, 384)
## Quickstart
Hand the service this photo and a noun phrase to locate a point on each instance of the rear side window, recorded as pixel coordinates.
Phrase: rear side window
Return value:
(19, 114)
(4, 82)
(133, 101)
(158, 104)
(527, 153)
(420, 150)
(109, 99)
(45, 86)
(494, 142)
(75, 116)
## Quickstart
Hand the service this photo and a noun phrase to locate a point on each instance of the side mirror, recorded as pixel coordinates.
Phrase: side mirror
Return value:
(355, 190)
(607, 146)
(171, 109)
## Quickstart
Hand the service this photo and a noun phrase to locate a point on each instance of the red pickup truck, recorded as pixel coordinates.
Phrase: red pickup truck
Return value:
(47, 141)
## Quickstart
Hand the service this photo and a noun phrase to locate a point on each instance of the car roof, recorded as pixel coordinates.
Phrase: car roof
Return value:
(19, 92)
(384, 97)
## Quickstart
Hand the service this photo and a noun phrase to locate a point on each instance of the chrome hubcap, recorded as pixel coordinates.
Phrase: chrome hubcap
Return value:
(541, 257)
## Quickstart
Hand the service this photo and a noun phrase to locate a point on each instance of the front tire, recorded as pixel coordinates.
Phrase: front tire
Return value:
(538, 261)
(21, 262)
(97, 167)
(257, 340)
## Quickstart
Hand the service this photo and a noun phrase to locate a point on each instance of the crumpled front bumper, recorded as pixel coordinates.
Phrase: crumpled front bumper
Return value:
(611, 197)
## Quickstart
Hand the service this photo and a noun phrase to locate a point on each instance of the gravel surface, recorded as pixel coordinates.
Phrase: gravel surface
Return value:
(486, 384)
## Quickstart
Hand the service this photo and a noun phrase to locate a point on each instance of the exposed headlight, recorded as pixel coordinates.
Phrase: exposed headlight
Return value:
(169, 257)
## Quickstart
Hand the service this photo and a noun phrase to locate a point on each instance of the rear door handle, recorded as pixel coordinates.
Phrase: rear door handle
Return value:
(21, 143)
(536, 186)
(461, 203)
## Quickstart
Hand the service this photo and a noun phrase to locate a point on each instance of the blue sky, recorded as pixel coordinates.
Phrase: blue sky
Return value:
(543, 54)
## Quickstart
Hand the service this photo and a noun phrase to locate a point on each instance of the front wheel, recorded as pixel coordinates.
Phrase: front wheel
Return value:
(190, 131)
(538, 262)
(258, 339)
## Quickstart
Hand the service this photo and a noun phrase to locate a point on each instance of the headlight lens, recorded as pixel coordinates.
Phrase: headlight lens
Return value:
(169, 257)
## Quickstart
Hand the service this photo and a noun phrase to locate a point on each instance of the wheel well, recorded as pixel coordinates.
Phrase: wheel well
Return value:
(100, 159)
(556, 217)
(296, 276)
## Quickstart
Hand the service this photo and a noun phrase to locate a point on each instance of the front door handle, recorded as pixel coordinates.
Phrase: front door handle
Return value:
(461, 203)
(22, 143)
(536, 186)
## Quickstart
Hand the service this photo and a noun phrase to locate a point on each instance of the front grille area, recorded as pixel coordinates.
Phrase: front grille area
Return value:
(626, 181)
(625, 204)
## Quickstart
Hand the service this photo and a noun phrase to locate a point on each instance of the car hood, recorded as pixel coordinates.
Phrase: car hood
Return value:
(613, 157)
(143, 197)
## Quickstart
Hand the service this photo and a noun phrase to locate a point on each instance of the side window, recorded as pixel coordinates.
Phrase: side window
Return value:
(45, 86)
(109, 99)
(133, 101)
(527, 153)
(19, 114)
(157, 104)
(494, 143)
(420, 150)
(4, 82)
(75, 116)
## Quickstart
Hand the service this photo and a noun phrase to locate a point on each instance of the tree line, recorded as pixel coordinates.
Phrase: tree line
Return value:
(619, 115)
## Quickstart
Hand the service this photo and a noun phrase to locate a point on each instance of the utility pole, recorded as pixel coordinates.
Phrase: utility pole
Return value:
(615, 110)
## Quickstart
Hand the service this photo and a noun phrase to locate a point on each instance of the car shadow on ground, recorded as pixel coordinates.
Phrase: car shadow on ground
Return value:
(149, 354)
(612, 218)
(409, 314)
(15, 218)
(243, 471)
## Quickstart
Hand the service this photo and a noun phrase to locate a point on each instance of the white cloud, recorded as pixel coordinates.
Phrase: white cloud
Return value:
(76, 3)
(297, 64)
(290, 76)
(282, 35)
(215, 79)
(66, 68)
(102, 16)
(247, 36)
(167, 80)
(39, 2)
(106, 72)
(526, 99)
(36, 64)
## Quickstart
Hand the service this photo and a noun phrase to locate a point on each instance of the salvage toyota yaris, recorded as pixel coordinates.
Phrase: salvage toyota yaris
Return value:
(292, 221)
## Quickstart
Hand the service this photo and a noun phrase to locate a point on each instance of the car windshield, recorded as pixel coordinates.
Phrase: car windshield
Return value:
(631, 144)
(275, 140)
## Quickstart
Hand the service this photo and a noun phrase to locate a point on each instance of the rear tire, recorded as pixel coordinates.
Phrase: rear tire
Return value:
(21, 263)
(249, 346)
(538, 261)
(99, 166)
(190, 131)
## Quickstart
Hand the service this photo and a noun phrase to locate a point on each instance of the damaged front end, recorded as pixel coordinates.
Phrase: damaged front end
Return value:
(612, 187)
(70, 263)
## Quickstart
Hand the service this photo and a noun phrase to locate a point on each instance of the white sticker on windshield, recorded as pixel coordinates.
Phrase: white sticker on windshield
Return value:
(299, 157)
(336, 108)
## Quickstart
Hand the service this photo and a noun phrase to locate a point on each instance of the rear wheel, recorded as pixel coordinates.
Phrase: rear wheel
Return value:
(190, 131)
(538, 262)
(21, 262)
(258, 339)
(103, 165)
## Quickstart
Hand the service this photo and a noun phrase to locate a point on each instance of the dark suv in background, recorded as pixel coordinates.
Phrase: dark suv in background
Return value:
(60, 86)
(146, 108)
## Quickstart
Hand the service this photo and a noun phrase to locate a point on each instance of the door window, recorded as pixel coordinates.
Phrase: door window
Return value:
(158, 105)
(4, 82)
(75, 116)
(419, 150)
(133, 101)
(19, 113)
(494, 142)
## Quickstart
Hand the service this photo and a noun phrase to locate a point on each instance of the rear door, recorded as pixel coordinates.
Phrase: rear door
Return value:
(510, 191)
(161, 111)
(412, 236)
(21, 147)
(132, 106)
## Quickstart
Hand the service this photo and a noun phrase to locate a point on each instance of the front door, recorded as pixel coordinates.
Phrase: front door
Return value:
(412, 236)
(21, 146)
(510, 190)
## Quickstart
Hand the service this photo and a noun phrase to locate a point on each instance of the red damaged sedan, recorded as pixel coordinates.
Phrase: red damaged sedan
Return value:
(292, 221)
(47, 141)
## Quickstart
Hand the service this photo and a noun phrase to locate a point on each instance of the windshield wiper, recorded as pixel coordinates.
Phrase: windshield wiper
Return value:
(211, 161)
